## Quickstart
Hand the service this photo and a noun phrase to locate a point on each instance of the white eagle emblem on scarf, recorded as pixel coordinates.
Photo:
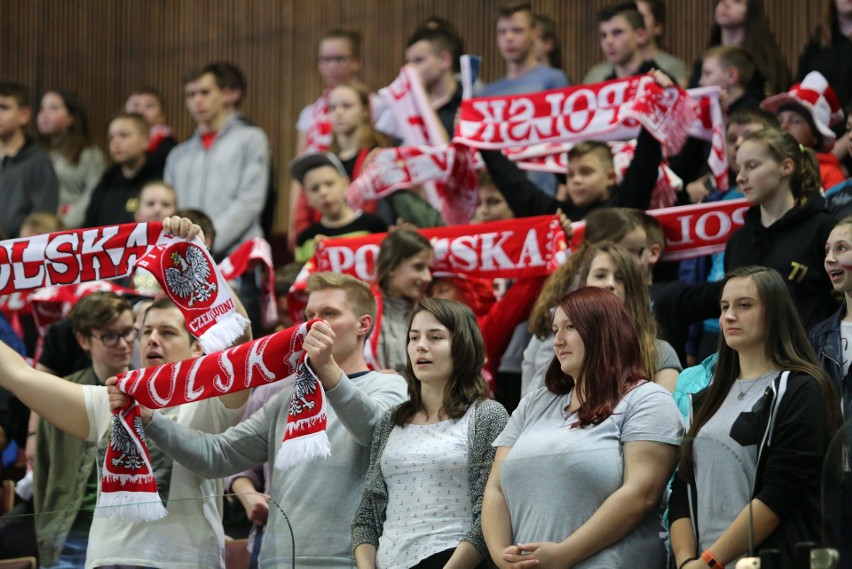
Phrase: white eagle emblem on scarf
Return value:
(188, 279)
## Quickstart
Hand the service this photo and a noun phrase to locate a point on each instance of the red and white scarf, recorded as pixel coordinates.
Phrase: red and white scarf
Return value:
(241, 260)
(525, 247)
(613, 110)
(449, 181)
(184, 269)
(448, 169)
(319, 136)
(692, 230)
(128, 478)
(426, 158)
(710, 126)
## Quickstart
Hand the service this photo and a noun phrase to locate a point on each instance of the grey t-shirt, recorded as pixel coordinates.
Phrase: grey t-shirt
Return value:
(725, 453)
(556, 477)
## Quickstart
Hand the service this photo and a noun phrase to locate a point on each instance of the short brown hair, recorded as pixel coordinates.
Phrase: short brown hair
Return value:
(509, 8)
(153, 91)
(626, 10)
(200, 71)
(754, 115)
(654, 234)
(347, 34)
(97, 310)
(42, 222)
(599, 149)
(358, 294)
(15, 91)
(734, 56)
(136, 119)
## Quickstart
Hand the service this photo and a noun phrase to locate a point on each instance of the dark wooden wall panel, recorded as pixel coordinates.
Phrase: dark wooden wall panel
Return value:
(103, 49)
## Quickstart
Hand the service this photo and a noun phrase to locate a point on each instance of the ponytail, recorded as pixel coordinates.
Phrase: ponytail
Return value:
(806, 179)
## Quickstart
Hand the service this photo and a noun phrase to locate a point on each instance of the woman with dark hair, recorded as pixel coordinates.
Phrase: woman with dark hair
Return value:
(63, 127)
(581, 467)
(403, 276)
(744, 23)
(751, 463)
(829, 49)
(619, 225)
(435, 448)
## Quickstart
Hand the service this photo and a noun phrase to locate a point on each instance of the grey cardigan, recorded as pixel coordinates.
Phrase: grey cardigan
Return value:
(489, 418)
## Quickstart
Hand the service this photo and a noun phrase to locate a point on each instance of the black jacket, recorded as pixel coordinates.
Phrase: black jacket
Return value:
(825, 338)
(795, 247)
(526, 199)
(116, 198)
(834, 62)
(789, 471)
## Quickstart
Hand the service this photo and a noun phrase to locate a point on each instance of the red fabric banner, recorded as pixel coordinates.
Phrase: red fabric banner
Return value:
(525, 247)
(613, 110)
(691, 231)
(128, 479)
(184, 269)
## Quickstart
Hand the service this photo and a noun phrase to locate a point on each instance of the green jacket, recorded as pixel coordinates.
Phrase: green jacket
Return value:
(63, 466)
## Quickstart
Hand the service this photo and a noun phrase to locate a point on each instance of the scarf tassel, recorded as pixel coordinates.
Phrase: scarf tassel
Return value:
(305, 437)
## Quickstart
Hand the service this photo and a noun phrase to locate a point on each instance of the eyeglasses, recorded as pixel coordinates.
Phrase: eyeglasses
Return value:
(335, 59)
(110, 339)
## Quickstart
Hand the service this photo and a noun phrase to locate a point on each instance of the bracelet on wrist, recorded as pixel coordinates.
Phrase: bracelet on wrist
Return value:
(711, 560)
(685, 561)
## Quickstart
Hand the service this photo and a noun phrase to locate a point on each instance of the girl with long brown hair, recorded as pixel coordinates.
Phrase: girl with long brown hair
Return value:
(436, 446)
(63, 127)
(751, 463)
(744, 23)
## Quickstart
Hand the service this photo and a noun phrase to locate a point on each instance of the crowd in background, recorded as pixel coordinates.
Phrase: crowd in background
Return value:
(623, 408)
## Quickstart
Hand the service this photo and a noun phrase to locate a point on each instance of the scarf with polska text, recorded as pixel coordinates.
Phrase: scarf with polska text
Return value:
(128, 487)
(427, 159)
(256, 250)
(515, 248)
(613, 110)
(504, 248)
(184, 269)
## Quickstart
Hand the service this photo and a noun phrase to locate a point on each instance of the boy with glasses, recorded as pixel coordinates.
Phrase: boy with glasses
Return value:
(65, 476)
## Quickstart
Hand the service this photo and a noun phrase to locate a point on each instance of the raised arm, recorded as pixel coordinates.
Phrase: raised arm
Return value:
(213, 456)
(58, 401)
(358, 411)
(524, 197)
(641, 176)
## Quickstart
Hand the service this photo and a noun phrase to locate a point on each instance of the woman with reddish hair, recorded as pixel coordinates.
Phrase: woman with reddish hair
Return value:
(581, 467)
